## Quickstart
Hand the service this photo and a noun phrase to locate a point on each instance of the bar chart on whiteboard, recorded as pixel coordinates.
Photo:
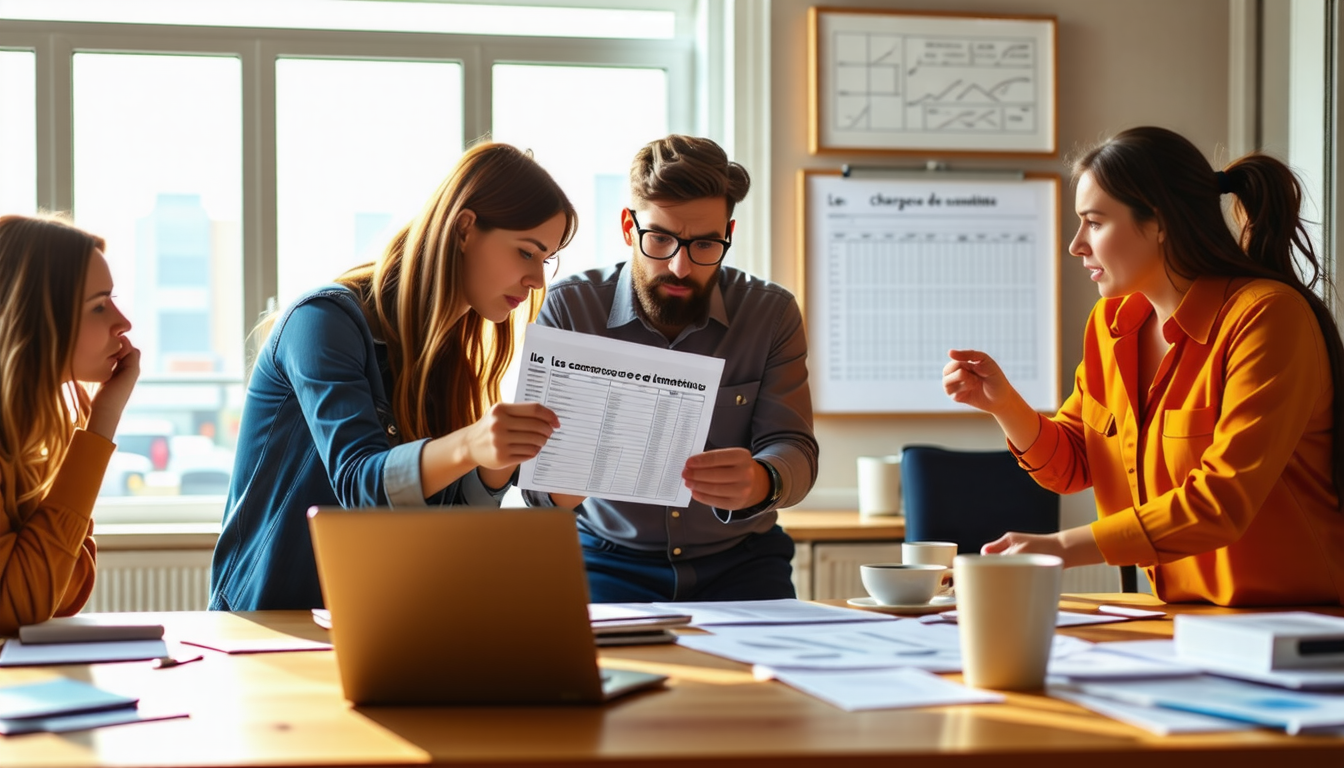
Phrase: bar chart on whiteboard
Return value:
(899, 272)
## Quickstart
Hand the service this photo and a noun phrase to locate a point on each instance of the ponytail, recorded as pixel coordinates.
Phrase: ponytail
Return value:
(1160, 176)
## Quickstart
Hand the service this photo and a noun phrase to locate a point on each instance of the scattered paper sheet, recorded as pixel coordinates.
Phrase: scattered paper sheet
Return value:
(630, 415)
(885, 689)
(1064, 619)
(896, 643)
(1163, 722)
(260, 645)
(1099, 664)
(1293, 711)
(785, 611)
(16, 653)
(1298, 679)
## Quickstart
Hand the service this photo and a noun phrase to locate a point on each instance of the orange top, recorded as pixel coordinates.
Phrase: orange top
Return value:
(46, 567)
(1223, 487)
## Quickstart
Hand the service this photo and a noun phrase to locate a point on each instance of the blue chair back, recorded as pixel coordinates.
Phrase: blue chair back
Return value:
(971, 497)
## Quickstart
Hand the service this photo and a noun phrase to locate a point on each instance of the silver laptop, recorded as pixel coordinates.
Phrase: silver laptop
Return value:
(461, 606)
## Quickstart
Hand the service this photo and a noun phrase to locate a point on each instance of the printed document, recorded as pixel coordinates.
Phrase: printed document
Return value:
(630, 415)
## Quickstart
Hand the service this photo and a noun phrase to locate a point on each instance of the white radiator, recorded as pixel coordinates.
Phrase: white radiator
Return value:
(835, 570)
(151, 580)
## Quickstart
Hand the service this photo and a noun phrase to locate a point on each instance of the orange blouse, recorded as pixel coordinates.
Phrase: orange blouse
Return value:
(46, 566)
(1222, 488)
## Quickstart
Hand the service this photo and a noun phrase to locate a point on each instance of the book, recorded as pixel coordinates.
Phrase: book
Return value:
(87, 629)
(16, 653)
(1263, 642)
(61, 696)
(653, 637)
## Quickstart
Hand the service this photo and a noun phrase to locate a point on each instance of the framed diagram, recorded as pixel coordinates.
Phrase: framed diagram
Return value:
(898, 82)
(896, 271)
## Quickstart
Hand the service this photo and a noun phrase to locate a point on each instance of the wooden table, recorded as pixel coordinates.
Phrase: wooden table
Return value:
(286, 710)
(840, 525)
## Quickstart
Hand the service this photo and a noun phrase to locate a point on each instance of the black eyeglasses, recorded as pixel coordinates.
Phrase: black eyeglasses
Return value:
(705, 251)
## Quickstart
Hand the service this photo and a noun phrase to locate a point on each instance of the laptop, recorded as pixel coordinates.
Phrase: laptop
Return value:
(461, 606)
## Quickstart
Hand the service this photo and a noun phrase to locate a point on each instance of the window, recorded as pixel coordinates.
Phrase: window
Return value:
(233, 162)
(349, 173)
(18, 132)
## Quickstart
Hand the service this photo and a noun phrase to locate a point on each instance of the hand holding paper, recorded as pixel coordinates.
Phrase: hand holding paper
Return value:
(727, 478)
(510, 433)
(630, 415)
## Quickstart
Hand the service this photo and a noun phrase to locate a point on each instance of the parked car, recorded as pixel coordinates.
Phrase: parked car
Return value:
(125, 475)
(202, 468)
(151, 438)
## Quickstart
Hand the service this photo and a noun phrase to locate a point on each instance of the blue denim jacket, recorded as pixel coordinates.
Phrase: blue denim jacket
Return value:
(317, 430)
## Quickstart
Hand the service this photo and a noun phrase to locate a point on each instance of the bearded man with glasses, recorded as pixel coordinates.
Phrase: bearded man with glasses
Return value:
(676, 293)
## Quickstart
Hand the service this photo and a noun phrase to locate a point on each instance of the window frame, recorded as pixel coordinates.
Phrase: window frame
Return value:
(258, 50)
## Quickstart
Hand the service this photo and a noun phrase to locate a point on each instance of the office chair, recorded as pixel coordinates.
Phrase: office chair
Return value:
(971, 497)
(974, 497)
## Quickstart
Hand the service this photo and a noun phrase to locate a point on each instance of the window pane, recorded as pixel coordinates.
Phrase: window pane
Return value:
(18, 132)
(379, 15)
(158, 159)
(584, 125)
(360, 147)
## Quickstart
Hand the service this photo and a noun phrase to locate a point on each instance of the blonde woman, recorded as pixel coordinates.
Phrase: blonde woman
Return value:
(383, 388)
(59, 333)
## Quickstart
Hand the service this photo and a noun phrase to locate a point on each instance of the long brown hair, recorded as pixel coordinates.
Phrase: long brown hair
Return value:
(1160, 176)
(447, 370)
(43, 263)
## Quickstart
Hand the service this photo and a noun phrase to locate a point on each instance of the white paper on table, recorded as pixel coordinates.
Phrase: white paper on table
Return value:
(630, 415)
(1064, 618)
(885, 689)
(783, 611)
(1297, 679)
(18, 654)
(1293, 711)
(897, 643)
(1098, 663)
(1158, 720)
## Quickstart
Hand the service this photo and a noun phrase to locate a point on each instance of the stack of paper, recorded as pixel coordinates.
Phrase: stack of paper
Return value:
(634, 623)
(61, 705)
(1183, 685)
(83, 640)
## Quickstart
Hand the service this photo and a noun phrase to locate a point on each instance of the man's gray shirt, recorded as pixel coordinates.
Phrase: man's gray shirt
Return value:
(764, 403)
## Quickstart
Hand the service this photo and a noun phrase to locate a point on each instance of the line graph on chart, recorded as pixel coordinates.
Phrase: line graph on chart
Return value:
(890, 82)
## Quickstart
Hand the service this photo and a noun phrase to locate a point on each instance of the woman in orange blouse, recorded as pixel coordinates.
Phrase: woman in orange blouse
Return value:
(1204, 412)
(59, 331)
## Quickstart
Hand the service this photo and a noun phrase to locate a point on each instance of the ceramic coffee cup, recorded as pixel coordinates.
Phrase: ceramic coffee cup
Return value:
(901, 584)
(1006, 611)
(931, 553)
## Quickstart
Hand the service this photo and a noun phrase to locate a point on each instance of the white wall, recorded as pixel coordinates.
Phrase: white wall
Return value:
(1120, 65)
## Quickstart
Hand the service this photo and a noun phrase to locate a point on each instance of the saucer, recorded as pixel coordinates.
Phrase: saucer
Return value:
(937, 604)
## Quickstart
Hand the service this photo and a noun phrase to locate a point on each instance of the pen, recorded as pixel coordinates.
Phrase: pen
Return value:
(165, 662)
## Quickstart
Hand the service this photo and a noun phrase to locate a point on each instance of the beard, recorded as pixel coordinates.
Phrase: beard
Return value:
(674, 311)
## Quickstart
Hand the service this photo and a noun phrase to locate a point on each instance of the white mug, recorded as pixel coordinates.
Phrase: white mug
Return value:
(879, 485)
(1007, 607)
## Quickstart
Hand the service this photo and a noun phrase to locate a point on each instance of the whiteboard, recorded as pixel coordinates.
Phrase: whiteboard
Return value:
(898, 271)
(910, 81)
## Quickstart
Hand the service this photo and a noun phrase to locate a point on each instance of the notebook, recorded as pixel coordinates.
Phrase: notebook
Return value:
(461, 606)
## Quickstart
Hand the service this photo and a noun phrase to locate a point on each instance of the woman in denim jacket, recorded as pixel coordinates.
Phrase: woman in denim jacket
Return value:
(383, 388)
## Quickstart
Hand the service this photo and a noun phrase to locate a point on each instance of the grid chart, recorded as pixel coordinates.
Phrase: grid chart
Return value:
(921, 83)
(591, 454)
(899, 301)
